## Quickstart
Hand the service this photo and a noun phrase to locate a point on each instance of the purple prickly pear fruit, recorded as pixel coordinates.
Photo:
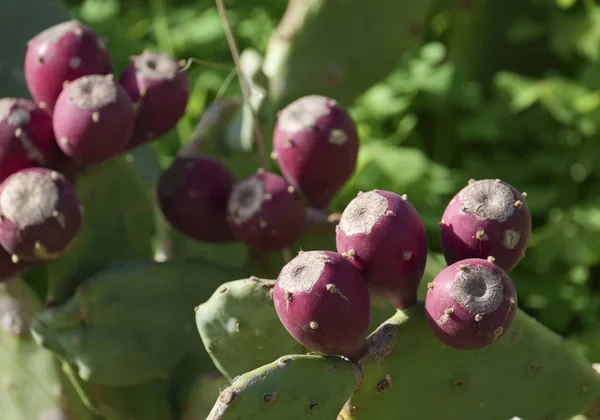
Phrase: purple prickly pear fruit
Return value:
(471, 303)
(93, 119)
(323, 302)
(160, 90)
(40, 214)
(486, 218)
(192, 195)
(61, 53)
(266, 212)
(382, 234)
(315, 142)
(26, 137)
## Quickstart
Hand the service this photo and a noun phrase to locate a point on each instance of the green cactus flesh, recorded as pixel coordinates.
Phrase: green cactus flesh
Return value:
(145, 401)
(240, 316)
(131, 322)
(118, 224)
(201, 397)
(32, 385)
(530, 372)
(292, 387)
(339, 48)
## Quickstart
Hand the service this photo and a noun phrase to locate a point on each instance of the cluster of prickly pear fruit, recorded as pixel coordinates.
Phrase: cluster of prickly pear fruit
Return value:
(382, 248)
(315, 143)
(323, 300)
(79, 116)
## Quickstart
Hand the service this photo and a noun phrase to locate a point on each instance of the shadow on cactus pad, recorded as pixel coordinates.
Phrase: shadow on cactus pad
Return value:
(130, 322)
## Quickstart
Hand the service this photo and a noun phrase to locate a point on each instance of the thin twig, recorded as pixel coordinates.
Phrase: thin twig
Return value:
(243, 85)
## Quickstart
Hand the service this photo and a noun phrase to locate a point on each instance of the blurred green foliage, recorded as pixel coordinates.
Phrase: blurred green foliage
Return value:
(497, 89)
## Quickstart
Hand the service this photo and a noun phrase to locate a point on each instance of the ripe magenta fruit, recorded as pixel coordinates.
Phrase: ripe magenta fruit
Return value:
(41, 214)
(323, 302)
(471, 303)
(192, 195)
(266, 212)
(316, 144)
(159, 87)
(486, 218)
(93, 119)
(61, 53)
(26, 137)
(383, 235)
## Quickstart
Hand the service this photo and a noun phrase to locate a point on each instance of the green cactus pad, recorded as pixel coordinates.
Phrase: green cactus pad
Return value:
(339, 48)
(240, 316)
(32, 385)
(118, 224)
(148, 400)
(292, 387)
(131, 322)
(201, 397)
(530, 372)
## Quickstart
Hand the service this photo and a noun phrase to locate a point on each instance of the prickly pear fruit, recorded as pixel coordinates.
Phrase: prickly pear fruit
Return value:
(63, 52)
(26, 137)
(293, 386)
(93, 119)
(266, 212)
(41, 214)
(383, 235)
(548, 378)
(114, 327)
(316, 145)
(192, 195)
(486, 218)
(323, 302)
(240, 315)
(471, 303)
(159, 87)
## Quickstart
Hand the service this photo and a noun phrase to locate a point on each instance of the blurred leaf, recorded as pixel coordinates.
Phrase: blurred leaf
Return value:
(402, 165)
(17, 26)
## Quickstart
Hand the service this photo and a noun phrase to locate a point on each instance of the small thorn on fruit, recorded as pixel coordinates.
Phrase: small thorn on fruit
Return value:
(472, 180)
(389, 213)
(491, 259)
(518, 204)
(314, 325)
